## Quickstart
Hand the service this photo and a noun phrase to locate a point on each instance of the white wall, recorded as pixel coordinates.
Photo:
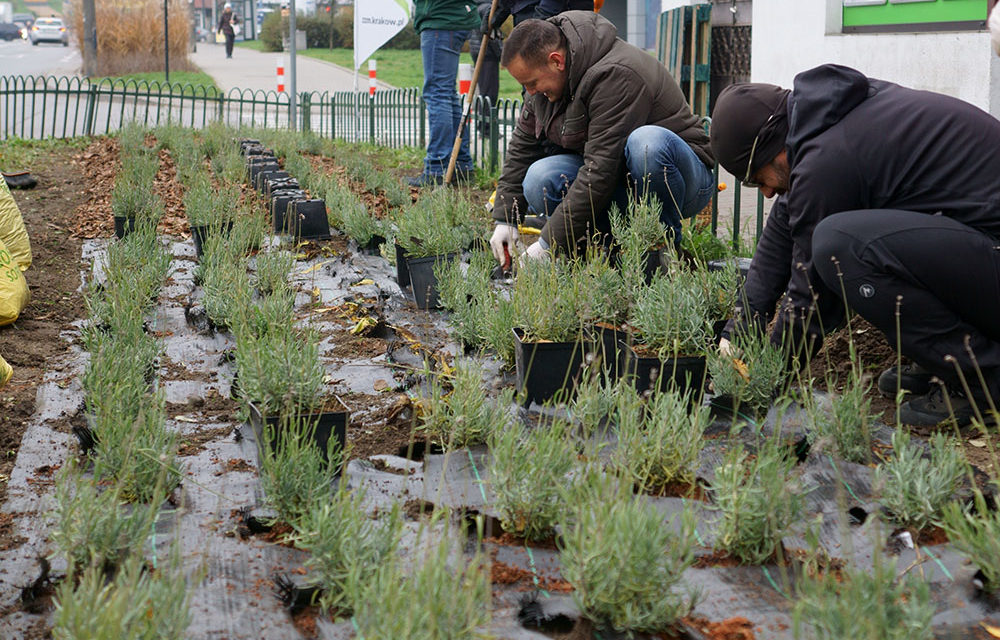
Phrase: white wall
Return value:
(790, 36)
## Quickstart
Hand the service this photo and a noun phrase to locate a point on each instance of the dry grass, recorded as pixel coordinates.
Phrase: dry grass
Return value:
(130, 35)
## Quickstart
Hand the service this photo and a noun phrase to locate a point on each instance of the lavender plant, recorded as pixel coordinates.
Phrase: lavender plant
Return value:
(658, 443)
(916, 488)
(625, 566)
(756, 501)
(527, 469)
(294, 473)
(443, 597)
(347, 546)
(459, 413)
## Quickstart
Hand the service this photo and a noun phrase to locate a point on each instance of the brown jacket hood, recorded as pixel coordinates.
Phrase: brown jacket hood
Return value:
(612, 89)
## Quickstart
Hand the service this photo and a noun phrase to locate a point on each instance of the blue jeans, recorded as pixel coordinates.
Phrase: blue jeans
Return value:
(657, 161)
(440, 50)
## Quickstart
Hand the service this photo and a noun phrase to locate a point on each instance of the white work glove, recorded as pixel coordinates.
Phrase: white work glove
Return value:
(536, 252)
(726, 348)
(504, 234)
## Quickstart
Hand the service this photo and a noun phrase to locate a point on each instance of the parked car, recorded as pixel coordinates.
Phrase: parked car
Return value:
(24, 29)
(49, 30)
(202, 34)
(9, 31)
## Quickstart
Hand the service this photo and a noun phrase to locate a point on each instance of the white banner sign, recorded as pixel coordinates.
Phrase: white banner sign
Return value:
(375, 23)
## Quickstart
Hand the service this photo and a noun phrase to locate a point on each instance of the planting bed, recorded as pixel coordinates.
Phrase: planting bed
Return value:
(378, 352)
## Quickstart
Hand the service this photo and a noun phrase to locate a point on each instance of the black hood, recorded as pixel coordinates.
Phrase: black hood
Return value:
(820, 99)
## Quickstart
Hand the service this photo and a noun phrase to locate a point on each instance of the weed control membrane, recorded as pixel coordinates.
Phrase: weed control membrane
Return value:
(232, 570)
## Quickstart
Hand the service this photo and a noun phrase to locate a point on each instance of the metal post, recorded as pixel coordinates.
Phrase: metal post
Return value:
(166, 44)
(292, 95)
(371, 118)
(737, 196)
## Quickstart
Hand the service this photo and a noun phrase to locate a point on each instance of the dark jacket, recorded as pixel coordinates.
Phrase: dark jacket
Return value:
(447, 15)
(858, 143)
(226, 22)
(612, 89)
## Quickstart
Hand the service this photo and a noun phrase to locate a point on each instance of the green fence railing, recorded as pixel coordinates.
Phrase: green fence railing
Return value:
(36, 107)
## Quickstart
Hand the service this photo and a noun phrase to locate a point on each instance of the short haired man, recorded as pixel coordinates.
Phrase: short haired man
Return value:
(615, 117)
(888, 201)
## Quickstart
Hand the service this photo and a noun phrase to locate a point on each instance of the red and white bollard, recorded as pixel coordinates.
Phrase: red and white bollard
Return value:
(464, 78)
(371, 78)
(281, 74)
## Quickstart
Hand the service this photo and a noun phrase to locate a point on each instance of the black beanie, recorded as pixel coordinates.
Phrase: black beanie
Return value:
(740, 115)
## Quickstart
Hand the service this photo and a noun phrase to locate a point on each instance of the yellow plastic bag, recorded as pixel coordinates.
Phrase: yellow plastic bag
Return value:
(6, 372)
(12, 231)
(13, 287)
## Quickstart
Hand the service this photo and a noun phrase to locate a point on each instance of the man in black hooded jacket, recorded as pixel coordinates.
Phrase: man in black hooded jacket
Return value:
(888, 199)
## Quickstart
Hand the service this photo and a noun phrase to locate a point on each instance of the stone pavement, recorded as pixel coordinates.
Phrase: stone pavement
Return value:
(249, 69)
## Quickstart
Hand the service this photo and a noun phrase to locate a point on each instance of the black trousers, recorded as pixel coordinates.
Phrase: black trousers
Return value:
(230, 38)
(941, 276)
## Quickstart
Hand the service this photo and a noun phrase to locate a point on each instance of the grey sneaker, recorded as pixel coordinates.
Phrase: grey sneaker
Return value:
(940, 406)
(911, 378)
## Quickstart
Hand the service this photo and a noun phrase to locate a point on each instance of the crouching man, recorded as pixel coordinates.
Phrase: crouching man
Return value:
(888, 203)
(601, 117)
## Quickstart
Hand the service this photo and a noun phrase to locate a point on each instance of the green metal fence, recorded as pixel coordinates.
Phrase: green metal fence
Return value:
(36, 107)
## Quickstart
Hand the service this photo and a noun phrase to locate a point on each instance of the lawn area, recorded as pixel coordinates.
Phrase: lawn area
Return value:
(398, 67)
(193, 78)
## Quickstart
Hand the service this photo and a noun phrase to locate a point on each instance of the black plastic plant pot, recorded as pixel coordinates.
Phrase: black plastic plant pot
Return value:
(260, 181)
(328, 424)
(279, 207)
(546, 369)
(373, 247)
(124, 225)
(273, 185)
(423, 280)
(201, 233)
(307, 220)
(402, 271)
(246, 143)
(604, 342)
(257, 167)
(649, 372)
(742, 264)
(717, 328)
(656, 261)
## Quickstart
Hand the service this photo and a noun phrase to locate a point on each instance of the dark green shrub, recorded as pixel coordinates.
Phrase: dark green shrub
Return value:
(271, 31)
(320, 31)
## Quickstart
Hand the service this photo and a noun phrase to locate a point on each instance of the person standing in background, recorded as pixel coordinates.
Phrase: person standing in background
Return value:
(227, 21)
(444, 27)
(521, 10)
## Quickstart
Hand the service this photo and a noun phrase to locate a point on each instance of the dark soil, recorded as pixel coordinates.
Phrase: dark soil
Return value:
(833, 364)
(32, 345)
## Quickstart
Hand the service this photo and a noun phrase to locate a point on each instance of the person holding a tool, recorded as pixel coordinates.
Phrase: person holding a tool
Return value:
(602, 118)
(888, 204)
(444, 27)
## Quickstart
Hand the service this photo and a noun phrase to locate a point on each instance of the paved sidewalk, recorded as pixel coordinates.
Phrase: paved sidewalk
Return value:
(257, 71)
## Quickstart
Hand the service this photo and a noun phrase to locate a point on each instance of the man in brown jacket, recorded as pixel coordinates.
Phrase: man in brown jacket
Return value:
(601, 117)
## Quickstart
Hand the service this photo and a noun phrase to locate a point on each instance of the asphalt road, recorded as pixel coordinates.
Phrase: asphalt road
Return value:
(18, 57)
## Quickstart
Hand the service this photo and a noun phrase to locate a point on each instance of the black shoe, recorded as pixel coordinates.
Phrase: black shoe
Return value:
(940, 406)
(20, 180)
(911, 378)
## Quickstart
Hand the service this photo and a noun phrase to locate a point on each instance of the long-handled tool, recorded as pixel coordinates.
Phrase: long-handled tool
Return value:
(472, 94)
